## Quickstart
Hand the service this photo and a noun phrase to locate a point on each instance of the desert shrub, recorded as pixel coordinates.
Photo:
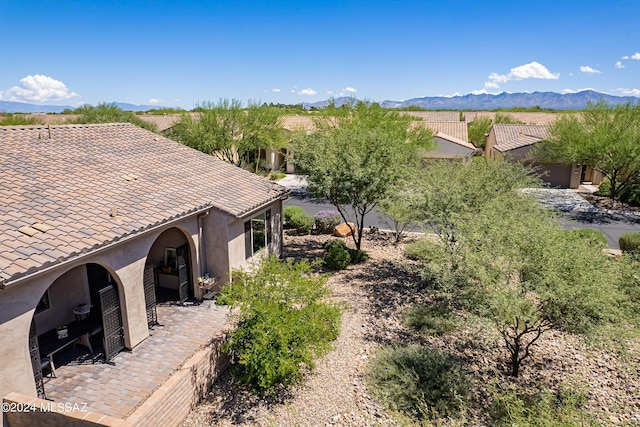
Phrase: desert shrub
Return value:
(283, 324)
(357, 256)
(290, 211)
(594, 237)
(337, 256)
(276, 175)
(629, 195)
(429, 320)
(326, 221)
(418, 382)
(18, 119)
(295, 217)
(540, 408)
(629, 242)
(329, 244)
(421, 250)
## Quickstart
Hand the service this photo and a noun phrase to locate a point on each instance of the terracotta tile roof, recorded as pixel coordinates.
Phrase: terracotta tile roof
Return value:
(524, 117)
(76, 184)
(297, 123)
(53, 119)
(165, 121)
(435, 116)
(510, 137)
(457, 130)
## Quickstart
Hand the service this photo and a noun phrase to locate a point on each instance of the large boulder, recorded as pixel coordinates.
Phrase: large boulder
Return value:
(344, 229)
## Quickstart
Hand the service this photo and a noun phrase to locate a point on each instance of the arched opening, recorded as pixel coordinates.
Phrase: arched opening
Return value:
(169, 270)
(77, 320)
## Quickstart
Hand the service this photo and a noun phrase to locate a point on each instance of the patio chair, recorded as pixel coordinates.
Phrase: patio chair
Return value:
(46, 364)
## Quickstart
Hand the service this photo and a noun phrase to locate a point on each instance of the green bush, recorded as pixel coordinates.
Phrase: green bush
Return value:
(419, 382)
(276, 175)
(337, 256)
(334, 243)
(429, 320)
(629, 242)
(283, 325)
(629, 195)
(422, 250)
(295, 217)
(290, 211)
(540, 408)
(357, 256)
(594, 237)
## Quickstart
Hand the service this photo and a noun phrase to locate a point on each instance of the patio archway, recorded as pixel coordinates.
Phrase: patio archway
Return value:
(81, 306)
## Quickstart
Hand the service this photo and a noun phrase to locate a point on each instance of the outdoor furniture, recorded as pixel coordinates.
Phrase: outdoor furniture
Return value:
(46, 363)
(77, 331)
(81, 311)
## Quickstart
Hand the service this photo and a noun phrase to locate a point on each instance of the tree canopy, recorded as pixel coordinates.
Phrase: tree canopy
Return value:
(357, 154)
(604, 137)
(231, 132)
(502, 256)
(110, 113)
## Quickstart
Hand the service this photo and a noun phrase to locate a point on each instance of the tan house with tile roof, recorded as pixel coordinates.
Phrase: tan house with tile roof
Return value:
(451, 141)
(113, 216)
(516, 142)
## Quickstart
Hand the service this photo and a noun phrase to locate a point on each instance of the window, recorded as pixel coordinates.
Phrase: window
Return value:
(257, 234)
(44, 303)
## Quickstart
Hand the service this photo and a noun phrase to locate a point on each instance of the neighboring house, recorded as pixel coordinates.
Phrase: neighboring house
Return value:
(451, 141)
(516, 143)
(524, 117)
(282, 158)
(434, 116)
(106, 215)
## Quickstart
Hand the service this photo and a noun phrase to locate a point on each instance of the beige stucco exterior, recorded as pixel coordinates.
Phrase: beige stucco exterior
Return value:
(216, 245)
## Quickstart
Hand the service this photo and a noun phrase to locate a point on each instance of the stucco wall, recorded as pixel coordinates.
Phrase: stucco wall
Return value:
(447, 149)
(124, 261)
(223, 243)
(66, 291)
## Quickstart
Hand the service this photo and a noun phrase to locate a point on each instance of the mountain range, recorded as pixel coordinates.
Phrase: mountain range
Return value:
(546, 100)
(21, 107)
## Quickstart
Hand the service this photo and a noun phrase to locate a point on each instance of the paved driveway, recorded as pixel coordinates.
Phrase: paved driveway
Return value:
(578, 213)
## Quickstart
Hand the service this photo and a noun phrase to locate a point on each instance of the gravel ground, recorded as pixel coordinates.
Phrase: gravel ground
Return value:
(335, 392)
(375, 294)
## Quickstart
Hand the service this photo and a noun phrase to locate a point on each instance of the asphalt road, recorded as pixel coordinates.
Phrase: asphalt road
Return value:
(611, 224)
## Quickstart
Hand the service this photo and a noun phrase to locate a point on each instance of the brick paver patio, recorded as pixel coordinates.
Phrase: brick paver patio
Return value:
(116, 390)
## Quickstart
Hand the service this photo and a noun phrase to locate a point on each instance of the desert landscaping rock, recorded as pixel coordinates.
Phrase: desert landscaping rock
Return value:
(374, 295)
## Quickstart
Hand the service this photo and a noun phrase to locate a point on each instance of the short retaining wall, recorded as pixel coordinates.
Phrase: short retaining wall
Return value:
(169, 405)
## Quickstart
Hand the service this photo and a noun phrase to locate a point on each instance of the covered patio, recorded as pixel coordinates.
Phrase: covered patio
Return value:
(117, 389)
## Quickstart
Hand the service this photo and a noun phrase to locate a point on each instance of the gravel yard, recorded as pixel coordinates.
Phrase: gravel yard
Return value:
(374, 295)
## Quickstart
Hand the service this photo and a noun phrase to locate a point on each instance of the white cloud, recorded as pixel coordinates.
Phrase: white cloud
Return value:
(619, 65)
(39, 89)
(349, 89)
(630, 92)
(479, 92)
(587, 69)
(308, 91)
(275, 89)
(636, 56)
(155, 101)
(532, 70)
(329, 92)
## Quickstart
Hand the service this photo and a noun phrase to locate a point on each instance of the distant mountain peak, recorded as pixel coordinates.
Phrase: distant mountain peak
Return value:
(486, 101)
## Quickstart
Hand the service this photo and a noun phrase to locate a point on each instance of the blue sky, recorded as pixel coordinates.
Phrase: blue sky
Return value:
(179, 53)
